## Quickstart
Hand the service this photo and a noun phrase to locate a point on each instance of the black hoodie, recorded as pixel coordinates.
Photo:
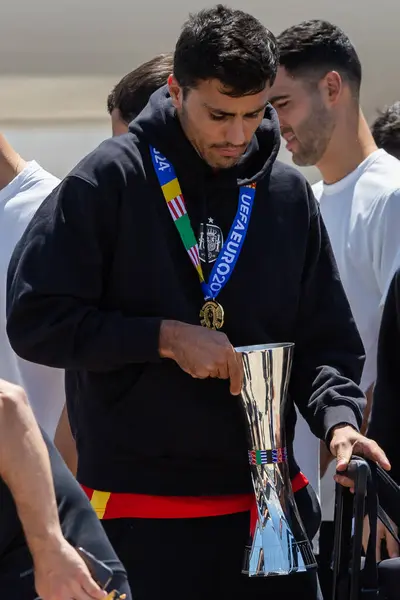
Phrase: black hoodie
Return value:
(102, 264)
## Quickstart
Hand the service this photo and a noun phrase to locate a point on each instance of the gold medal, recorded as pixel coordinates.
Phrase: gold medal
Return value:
(212, 315)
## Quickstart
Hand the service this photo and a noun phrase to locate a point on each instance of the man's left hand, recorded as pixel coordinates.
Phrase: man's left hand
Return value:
(345, 442)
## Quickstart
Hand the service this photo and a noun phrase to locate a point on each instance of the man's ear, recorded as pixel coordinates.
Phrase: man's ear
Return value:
(176, 92)
(331, 86)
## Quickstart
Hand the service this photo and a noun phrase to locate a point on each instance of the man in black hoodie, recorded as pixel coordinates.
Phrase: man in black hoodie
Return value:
(137, 247)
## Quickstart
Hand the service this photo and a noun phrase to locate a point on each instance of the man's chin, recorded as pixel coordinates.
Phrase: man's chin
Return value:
(223, 162)
(302, 161)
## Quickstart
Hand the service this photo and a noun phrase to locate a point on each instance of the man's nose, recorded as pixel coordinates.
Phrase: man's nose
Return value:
(236, 133)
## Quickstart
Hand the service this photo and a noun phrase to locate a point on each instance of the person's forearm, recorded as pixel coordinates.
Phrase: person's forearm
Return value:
(25, 468)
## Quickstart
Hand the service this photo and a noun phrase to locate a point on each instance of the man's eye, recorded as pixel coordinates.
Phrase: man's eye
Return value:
(217, 117)
(281, 104)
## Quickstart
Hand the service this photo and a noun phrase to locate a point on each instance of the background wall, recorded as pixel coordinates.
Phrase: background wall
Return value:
(57, 148)
(60, 60)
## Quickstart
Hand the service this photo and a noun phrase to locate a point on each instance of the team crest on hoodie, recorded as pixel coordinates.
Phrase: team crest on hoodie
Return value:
(215, 241)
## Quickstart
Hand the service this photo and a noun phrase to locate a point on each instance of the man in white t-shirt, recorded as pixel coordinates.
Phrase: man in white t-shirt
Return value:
(316, 94)
(23, 187)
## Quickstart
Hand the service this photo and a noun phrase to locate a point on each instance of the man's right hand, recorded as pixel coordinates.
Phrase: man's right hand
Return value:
(201, 352)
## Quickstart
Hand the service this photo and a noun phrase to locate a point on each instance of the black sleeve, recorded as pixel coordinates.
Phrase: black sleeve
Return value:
(385, 415)
(56, 281)
(329, 355)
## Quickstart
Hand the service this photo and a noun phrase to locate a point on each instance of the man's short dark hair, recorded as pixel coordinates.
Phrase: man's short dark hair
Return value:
(313, 48)
(386, 130)
(132, 93)
(228, 45)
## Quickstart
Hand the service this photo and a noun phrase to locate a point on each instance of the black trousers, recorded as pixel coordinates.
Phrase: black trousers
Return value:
(199, 559)
(325, 558)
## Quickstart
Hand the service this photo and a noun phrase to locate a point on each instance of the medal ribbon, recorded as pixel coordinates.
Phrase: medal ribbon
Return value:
(226, 260)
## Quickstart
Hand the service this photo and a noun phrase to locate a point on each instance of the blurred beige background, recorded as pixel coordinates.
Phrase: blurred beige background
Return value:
(60, 58)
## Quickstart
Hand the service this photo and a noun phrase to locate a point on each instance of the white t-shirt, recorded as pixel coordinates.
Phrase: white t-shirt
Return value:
(362, 215)
(19, 200)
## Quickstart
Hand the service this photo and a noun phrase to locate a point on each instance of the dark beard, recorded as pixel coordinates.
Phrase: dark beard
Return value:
(318, 129)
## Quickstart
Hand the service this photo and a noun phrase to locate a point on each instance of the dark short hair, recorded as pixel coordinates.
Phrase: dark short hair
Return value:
(228, 45)
(313, 48)
(132, 93)
(386, 130)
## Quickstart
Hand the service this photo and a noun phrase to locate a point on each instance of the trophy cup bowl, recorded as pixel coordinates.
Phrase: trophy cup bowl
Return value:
(278, 545)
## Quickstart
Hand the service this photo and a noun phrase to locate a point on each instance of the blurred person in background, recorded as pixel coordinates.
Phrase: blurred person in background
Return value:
(44, 515)
(316, 94)
(23, 187)
(124, 103)
(386, 130)
(131, 94)
(383, 425)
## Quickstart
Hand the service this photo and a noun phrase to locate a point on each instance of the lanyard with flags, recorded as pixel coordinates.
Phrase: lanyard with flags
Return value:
(212, 313)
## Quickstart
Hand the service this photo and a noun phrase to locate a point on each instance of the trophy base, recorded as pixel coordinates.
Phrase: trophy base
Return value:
(278, 544)
(260, 562)
(269, 555)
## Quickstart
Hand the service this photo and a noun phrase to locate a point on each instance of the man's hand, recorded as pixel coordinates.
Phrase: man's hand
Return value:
(202, 352)
(61, 574)
(347, 441)
(392, 546)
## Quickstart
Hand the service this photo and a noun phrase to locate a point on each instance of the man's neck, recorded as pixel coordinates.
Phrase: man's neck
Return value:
(350, 145)
(11, 164)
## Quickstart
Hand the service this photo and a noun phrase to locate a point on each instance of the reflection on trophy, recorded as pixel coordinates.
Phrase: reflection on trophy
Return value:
(278, 545)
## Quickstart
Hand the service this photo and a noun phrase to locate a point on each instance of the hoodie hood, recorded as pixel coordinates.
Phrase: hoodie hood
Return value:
(159, 126)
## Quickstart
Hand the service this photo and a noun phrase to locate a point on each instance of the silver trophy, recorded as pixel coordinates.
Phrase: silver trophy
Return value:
(278, 544)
